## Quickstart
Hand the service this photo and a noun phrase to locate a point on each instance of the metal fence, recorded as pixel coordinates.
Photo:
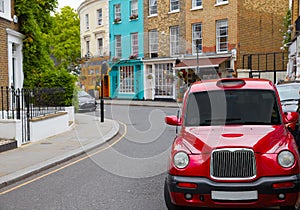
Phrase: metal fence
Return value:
(36, 102)
(26, 104)
(264, 63)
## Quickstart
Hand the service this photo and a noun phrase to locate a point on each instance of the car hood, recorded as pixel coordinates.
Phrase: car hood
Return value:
(262, 139)
(289, 106)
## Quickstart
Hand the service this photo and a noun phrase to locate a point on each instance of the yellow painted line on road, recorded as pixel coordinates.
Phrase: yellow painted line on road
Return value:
(70, 164)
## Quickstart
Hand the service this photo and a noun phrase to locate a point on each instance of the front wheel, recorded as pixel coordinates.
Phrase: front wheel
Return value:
(168, 201)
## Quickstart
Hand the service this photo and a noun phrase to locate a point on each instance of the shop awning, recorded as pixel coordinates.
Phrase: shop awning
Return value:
(203, 63)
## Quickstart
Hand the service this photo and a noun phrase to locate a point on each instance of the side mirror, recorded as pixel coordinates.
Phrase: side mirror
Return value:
(290, 119)
(173, 120)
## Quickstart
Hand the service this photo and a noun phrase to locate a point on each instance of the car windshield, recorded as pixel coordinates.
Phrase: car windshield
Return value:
(246, 107)
(288, 92)
(83, 94)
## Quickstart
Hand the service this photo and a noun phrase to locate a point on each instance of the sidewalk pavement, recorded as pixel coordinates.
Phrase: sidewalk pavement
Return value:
(87, 133)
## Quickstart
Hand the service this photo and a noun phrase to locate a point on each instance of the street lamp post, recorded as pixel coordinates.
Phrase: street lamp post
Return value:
(197, 51)
(104, 68)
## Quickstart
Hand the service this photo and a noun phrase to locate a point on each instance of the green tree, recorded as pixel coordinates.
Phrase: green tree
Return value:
(35, 23)
(65, 39)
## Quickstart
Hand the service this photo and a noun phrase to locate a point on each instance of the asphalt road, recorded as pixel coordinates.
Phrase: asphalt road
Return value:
(127, 173)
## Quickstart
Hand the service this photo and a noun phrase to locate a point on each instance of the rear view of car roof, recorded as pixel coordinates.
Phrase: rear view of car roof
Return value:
(232, 83)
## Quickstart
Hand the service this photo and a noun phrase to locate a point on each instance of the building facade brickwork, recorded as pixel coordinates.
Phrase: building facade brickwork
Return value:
(5, 24)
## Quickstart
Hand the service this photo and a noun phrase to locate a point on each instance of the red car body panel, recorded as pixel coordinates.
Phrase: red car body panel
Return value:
(266, 142)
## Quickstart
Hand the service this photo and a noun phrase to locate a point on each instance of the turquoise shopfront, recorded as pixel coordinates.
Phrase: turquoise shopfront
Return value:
(126, 79)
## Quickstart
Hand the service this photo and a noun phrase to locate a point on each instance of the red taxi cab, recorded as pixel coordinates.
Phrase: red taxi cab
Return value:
(234, 148)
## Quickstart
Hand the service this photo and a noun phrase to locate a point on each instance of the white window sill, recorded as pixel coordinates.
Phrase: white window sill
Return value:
(221, 4)
(154, 15)
(4, 16)
(196, 8)
(174, 11)
(133, 19)
(223, 52)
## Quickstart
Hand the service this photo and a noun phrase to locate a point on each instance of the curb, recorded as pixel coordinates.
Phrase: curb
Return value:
(29, 171)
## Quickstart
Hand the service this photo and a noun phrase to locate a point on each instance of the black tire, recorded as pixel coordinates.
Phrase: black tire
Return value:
(168, 201)
(287, 208)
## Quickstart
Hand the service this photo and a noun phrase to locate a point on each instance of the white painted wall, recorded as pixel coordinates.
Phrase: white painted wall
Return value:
(39, 130)
(45, 128)
(11, 129)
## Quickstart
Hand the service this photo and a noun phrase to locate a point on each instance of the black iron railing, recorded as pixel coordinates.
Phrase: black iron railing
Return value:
(16, 103)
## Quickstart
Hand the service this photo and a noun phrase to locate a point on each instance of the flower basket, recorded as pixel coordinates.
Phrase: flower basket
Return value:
(133, 17)
(117, 20)
(133, 56)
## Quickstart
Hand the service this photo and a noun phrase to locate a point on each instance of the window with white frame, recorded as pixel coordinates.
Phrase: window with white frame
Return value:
(222, 35)
(100, 18)
(87, 48)
(134, 44)
(126, 79)
(152, 7)
(164, 78)
(221, 1)
(197, 38)
(134, 7)
(87, 23)
(2, 6)
(118, 46)
(5, 9)
(117, 11)
(174, 5)
(100, 46)
(174, 40)
(153, 43)
(196, 3)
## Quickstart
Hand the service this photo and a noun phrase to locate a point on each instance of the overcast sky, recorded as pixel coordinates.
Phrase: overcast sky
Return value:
(72, 3)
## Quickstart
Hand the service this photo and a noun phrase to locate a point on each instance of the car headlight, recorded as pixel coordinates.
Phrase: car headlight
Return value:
(286, 159)
(181, 160)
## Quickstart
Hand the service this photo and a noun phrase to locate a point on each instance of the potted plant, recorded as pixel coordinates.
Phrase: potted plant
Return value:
(133, 17)
(134, 56)
(117, 20)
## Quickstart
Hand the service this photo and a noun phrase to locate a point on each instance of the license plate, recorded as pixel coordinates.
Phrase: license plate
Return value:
(234, 195)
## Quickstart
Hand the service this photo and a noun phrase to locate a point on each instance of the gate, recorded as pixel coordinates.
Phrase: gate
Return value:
(262, 64)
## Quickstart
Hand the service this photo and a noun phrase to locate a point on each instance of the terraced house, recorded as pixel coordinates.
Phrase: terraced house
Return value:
(94, 36)
(11, 42)
(158, 47)
(126, 49)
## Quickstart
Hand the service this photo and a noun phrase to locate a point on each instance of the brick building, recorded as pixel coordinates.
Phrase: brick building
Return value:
(11, 68)
(165, 41)
(293, 68)
(231, 29)
(206, 39)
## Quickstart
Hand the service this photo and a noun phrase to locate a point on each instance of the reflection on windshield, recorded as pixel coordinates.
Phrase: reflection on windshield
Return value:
(246, 107)
(288, 92)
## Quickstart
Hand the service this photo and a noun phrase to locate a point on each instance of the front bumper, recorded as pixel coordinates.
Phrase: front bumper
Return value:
(201, 196)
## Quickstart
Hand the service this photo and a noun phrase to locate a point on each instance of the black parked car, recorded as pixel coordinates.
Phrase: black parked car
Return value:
(86, 102)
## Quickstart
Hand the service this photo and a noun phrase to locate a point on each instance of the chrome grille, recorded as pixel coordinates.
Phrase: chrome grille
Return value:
(233, 163)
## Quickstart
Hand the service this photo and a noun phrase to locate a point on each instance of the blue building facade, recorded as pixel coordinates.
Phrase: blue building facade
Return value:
(127, 49)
